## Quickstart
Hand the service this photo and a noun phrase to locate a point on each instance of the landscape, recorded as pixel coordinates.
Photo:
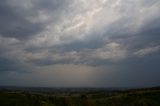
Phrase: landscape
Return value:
(79, 52)
(43, 96)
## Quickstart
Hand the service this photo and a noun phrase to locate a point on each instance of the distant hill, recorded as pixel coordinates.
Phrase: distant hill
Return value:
(85, 97)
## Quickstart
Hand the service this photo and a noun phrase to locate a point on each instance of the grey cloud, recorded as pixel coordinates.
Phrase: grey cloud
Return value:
(144, 39)
(132, 72)
(46, 62)
(9, 65)
(147, 36)
(15, 24)
(17, 21)
(64, 33)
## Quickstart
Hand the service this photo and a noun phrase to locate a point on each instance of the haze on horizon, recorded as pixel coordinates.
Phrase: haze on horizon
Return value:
(97, 43)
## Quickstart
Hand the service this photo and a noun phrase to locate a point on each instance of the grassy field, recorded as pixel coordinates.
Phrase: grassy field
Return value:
(142, 97)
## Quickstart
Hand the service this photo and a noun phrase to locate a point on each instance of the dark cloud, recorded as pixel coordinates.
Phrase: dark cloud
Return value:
(52, 5)
(14, 22)
(46, 62)
(8, 65)
(124, 40)
(17, 21)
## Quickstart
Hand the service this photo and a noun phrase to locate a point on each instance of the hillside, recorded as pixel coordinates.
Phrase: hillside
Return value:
(138, 97)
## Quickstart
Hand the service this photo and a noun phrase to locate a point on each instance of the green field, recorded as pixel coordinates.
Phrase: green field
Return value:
(143, 97)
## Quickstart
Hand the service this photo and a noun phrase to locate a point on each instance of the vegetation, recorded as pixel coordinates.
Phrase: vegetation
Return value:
(143, 97)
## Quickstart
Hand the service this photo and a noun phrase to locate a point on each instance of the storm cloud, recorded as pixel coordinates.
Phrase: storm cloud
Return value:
(109, 42)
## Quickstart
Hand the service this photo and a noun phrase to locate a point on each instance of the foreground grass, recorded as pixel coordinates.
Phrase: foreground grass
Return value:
(126, 98)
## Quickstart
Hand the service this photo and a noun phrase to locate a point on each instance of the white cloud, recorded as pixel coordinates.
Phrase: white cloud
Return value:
(147, 51)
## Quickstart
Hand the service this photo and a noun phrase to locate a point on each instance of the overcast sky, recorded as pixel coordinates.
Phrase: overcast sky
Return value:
(91, 43)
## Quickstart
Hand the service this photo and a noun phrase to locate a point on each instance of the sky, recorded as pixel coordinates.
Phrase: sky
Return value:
(80, 43)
